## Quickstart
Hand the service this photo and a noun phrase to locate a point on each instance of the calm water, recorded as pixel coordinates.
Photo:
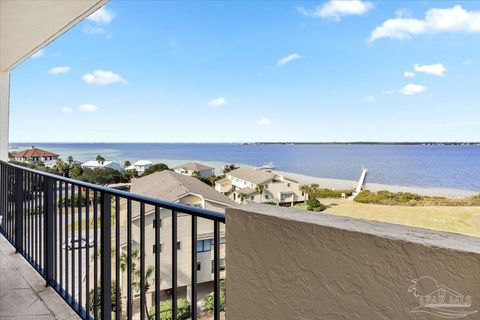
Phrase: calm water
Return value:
(455, 167)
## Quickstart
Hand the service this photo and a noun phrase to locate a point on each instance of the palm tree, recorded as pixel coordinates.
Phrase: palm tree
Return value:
(212, 179)
(137, 283)
(196, 174)
(242, 197)
(100, 159)
(304, 189)
(259, 188)
(70, 160)
(127, 164)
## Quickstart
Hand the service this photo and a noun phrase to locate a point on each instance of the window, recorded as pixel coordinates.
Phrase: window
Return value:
(267, 196)
(179, 245)
(265, 186)
(222, 240)
(288, 185)
(222, 265)
(204, 245)
(155, 223)
(252, 198)
(199, 266)
(155, 248)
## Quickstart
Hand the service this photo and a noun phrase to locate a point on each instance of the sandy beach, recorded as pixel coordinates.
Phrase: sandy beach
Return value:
(341, 183)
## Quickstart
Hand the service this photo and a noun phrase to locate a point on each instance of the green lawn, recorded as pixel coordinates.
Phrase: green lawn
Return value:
(458, 219)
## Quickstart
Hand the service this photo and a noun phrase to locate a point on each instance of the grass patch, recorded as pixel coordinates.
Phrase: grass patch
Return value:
(411, 199)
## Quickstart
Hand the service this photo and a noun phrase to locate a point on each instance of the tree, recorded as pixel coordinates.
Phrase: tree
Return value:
(98, 304)
(61, 167)
(76, 171)
(137, 283)
(100, 160)
(229, 167)
(259, 188)
(156, 167)
(196, 174)
(212, 179)
(103, 176)
(127, 164)
(242, 197)
(209, 298)
(183, 310)
(70, 160)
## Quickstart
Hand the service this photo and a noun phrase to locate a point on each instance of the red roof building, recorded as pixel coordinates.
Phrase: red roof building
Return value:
(33, 155)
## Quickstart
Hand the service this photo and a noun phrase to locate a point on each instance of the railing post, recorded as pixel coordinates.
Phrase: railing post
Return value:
(19, 198)
(106, 261)
(49, 230)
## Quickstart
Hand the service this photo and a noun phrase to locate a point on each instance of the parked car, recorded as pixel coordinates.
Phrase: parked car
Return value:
(77, 243)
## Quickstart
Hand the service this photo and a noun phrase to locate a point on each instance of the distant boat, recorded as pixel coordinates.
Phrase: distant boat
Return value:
(268, 166)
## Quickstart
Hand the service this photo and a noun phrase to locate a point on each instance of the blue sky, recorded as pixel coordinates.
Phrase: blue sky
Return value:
(155, 71)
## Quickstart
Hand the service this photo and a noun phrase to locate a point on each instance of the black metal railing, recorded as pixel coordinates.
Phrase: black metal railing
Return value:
(63, 226)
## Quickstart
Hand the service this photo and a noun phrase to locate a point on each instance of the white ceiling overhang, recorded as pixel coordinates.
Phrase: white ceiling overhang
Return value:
(28, 25)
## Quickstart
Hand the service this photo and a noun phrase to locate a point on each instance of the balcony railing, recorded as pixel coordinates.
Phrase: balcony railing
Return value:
(45, 215)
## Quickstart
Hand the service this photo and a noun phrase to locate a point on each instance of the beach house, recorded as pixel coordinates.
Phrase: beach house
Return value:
(34, 155)
(186, 190)
(245, 185)
(193, 168)
(140, 166)
(94, 164)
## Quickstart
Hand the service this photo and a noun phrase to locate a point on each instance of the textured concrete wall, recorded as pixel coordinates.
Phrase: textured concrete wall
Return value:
(288, 264)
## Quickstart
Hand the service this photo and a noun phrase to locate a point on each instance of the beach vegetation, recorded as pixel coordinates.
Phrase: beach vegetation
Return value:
(315, 192)
(127, 164)
(102, 176)
(315, 205)
(76, 171)
(385, 197)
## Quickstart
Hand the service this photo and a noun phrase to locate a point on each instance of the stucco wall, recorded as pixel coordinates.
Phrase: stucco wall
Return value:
(288, 264)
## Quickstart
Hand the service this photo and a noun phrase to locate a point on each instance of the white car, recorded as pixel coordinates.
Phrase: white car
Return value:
(77, 243)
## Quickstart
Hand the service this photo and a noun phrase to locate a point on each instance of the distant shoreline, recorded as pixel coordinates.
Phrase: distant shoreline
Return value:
(394, 143)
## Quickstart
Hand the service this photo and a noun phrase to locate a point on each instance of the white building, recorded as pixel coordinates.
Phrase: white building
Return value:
(178, 188)
(140, 166)
(94, 164)
(190, 168)
(242, 186)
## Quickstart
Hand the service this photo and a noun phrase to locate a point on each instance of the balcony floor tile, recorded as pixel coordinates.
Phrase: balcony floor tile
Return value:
(23, 294)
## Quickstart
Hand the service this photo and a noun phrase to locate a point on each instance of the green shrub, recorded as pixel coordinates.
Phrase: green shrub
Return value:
(93, 303)
(77, 201)
(154, 168)
(389, 198)
(315, 205)
(183, 310)
(209, 299)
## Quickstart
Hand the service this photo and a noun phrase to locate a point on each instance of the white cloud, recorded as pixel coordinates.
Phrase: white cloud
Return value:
(369, 98)
(388, 92)
(103, 78)
(335, 9)
(217, 102)
(40, 53)
(66, 110)
(264, 122)
(455, 19)
(289, 58)
(435, 69)
(409, 74)
(89, 29)
(58, 70)
(88, 108)
(411, 89)
(102, 16)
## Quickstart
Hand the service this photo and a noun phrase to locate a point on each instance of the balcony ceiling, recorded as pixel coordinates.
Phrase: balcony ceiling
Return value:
(26, 26)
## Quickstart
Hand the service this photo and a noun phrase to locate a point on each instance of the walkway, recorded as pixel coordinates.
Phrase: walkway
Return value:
(23, 294)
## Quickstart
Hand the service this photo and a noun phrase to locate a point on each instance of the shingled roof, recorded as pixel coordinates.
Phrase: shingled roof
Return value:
(193, 166)
(251, 175)
(33, 152)
(171, 186)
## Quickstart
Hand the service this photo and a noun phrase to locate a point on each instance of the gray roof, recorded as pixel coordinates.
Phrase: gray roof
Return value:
(247, 191)
(171, 186)
(251, 175)
(193, 166)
